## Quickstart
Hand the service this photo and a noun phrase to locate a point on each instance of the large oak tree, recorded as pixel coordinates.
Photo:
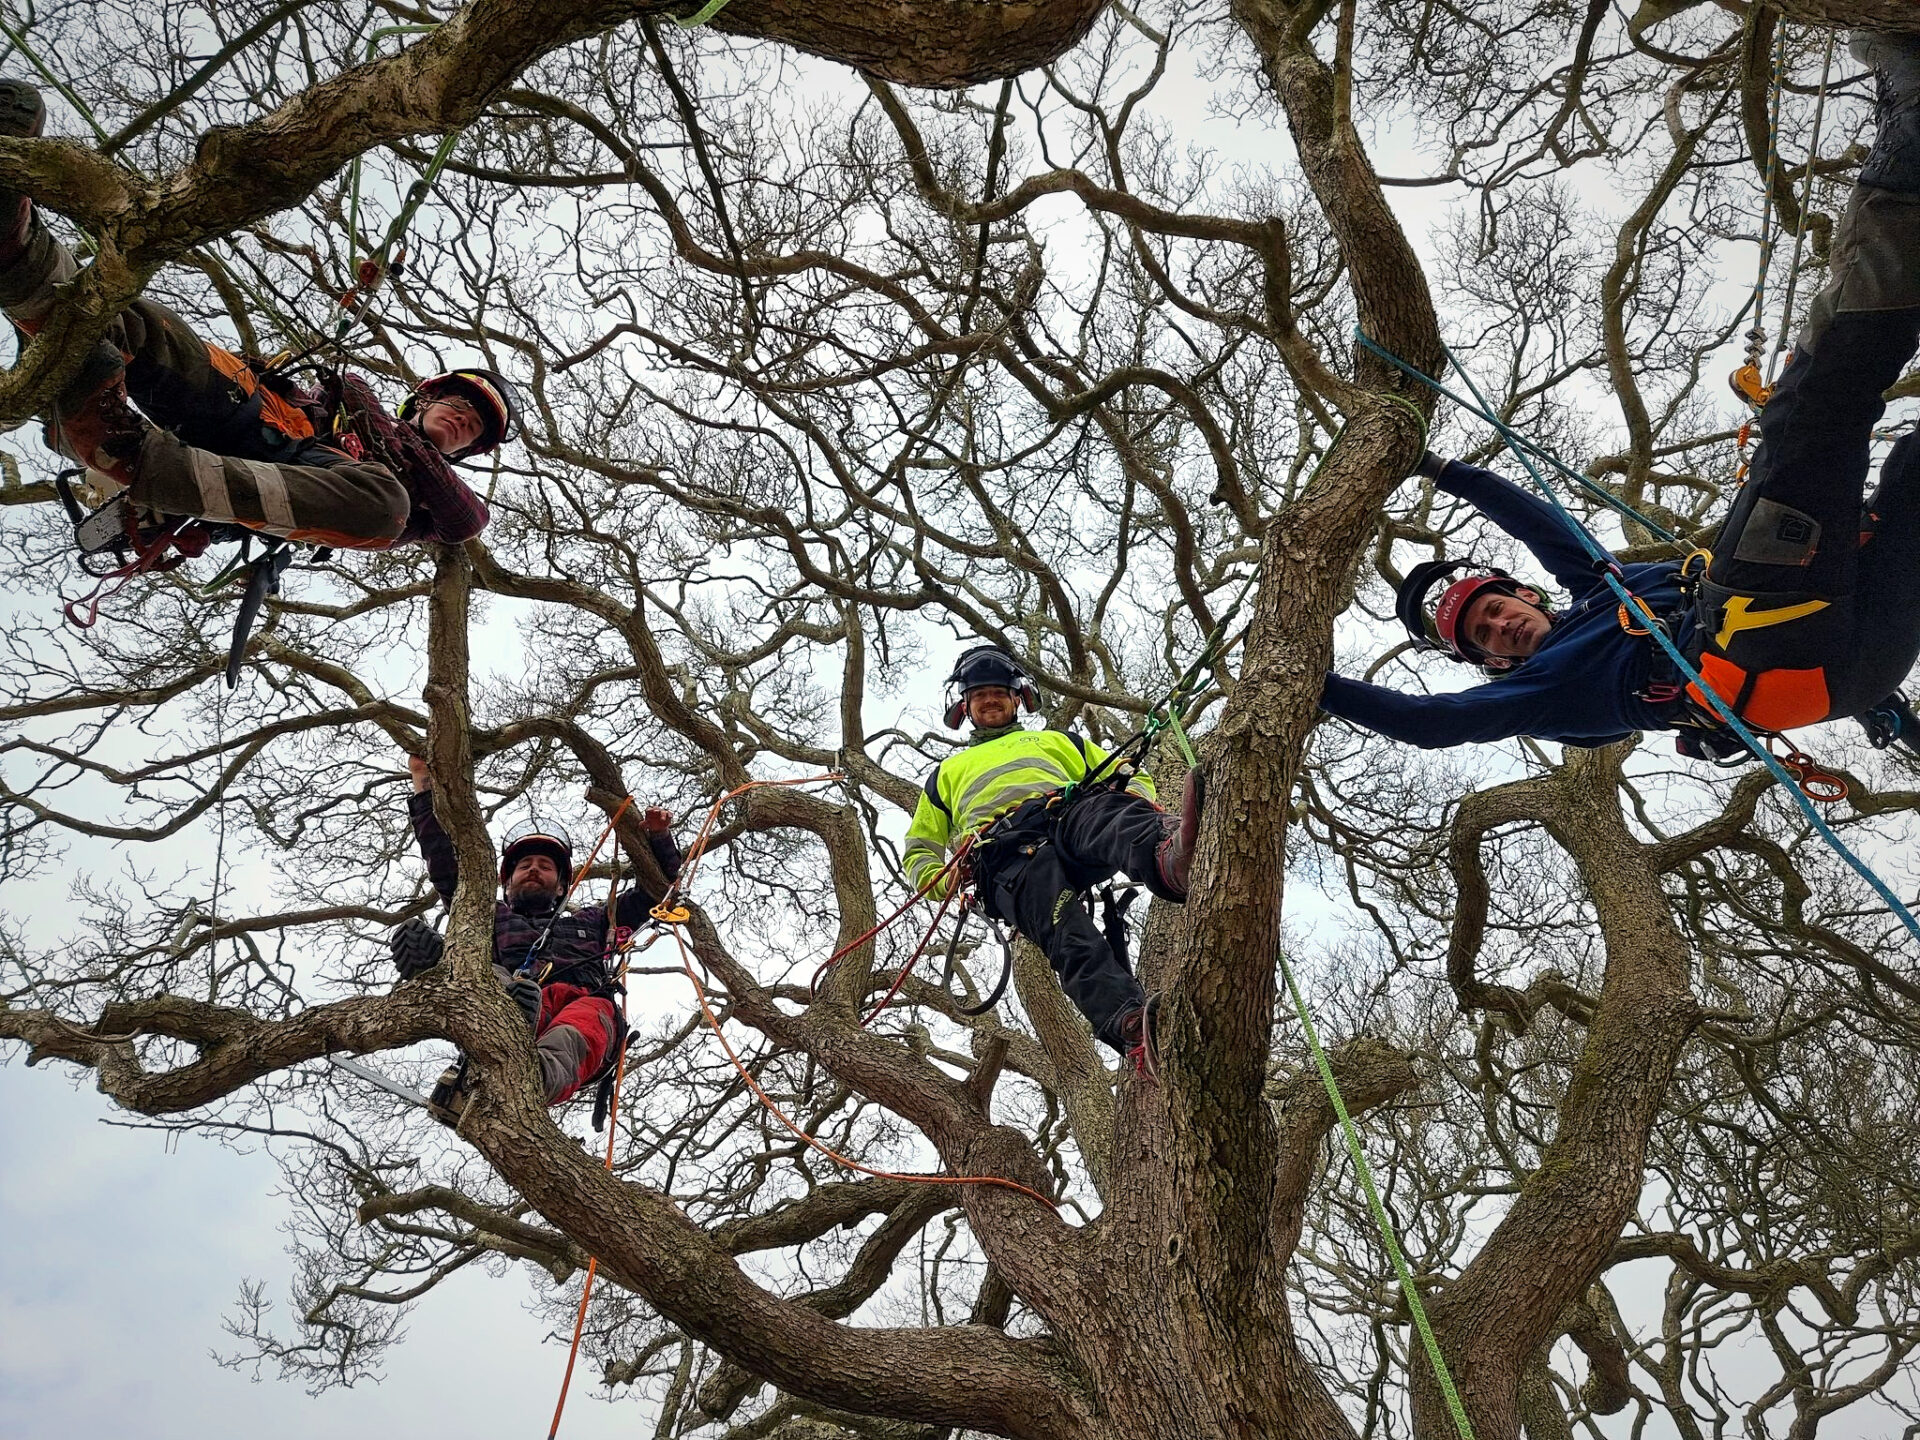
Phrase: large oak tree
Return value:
(824, 373)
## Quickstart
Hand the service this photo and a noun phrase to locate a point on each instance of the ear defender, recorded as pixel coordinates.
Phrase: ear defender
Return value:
(988, 665)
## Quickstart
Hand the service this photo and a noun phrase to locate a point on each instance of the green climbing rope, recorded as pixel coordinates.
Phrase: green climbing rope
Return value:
(1407, 1288)
(701, 16)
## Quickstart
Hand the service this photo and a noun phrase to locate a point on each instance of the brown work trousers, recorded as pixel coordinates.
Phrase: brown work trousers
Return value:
(226, 450)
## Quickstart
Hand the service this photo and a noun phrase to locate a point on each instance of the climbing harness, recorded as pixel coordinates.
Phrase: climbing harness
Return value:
(115, 550)
(1609, 572)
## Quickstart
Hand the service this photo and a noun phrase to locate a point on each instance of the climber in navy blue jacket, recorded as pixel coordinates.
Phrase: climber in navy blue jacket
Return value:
(1809, 606)
(1572, 674)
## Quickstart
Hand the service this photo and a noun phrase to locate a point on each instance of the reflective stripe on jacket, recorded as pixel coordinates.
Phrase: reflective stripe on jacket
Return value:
(995, 773)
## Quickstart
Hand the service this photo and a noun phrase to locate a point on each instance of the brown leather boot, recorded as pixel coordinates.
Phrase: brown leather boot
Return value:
(1174, 858)
(104, 432)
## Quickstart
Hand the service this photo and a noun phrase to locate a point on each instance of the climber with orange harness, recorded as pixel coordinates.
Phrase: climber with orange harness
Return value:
(1053, 818)
(1807, 608)
(556, 963)
(229, 441)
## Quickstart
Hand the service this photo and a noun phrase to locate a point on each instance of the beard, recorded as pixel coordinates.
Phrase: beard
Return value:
(533, 894)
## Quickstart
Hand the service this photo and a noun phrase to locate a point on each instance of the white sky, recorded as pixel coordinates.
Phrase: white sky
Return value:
(119, 1259)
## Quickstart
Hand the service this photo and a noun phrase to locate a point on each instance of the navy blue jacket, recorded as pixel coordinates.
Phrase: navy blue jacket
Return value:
(1581, 687)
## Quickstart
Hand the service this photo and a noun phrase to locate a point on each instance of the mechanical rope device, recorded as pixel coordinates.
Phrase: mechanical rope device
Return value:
(116, 548)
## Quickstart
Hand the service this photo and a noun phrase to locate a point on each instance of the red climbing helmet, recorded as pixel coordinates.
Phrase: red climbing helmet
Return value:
(488, 391)
(529, 837)
(1434, 622)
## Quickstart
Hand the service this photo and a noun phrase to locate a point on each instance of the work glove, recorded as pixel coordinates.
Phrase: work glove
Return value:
(656, 820)
(1430, 465)
(417, 948)
(526, 994)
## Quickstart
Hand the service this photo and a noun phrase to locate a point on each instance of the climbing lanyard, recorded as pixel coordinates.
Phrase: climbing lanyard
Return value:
(1609, 571)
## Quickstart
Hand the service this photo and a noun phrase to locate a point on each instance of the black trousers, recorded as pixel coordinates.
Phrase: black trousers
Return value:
(1032, 869)
(1810, 609)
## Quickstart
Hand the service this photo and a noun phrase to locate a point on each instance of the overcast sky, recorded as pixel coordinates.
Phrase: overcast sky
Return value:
(119, 1259)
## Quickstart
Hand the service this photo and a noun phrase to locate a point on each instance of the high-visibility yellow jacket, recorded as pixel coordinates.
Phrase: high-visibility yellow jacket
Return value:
(995, 773)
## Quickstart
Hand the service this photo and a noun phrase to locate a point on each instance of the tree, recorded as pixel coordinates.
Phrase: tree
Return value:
(821, 377)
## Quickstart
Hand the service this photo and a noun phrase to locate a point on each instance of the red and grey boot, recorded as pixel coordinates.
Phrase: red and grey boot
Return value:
(23, 115)
(447, 1101)
(1174, 859)
(1139, 1032)
(104, 432)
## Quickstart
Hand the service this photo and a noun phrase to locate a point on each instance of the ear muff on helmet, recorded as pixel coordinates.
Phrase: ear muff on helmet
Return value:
(489, 392)
(982, 666)
(1433, 619)
(528, 838)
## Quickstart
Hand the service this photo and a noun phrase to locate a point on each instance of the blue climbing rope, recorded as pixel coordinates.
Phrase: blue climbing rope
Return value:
(1610, 572)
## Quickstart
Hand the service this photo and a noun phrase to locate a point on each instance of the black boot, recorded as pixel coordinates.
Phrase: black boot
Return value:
(23, 114)
(447, 1102)
(1894, 161)
(104, 432)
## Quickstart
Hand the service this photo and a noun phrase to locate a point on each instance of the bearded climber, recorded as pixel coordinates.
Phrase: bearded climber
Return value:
(1035, 853)
(1809, 607)
(327, 465)
(554, 963)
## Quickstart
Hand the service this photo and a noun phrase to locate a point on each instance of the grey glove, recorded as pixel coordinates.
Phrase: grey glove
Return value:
(1430, 465)
(417, 948)
(526, 994)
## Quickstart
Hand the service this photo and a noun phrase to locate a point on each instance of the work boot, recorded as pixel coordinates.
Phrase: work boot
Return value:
(1894, 161)
(1174, 859)
(23, 115)
(1140, 1035)
(447, 1101)
(104, 432)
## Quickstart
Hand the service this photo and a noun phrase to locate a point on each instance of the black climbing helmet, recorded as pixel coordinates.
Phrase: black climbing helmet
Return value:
(488, 391)
(980, 667)
(530, 837)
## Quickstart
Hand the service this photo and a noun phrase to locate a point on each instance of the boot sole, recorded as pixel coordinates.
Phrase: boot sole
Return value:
(22, 112)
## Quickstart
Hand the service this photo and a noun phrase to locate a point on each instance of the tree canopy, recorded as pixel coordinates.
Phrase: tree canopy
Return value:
(850, 333)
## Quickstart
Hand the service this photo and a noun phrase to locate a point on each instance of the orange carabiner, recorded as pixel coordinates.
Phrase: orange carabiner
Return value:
(1816, 782)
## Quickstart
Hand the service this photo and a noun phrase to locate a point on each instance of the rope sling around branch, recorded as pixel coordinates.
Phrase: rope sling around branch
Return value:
(1609, 571)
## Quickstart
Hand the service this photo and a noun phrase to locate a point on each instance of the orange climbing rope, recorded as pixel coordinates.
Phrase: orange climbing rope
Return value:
(713, 1022)
(669, 919)
(613, 1119)
(672, 917)
(953, 867)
